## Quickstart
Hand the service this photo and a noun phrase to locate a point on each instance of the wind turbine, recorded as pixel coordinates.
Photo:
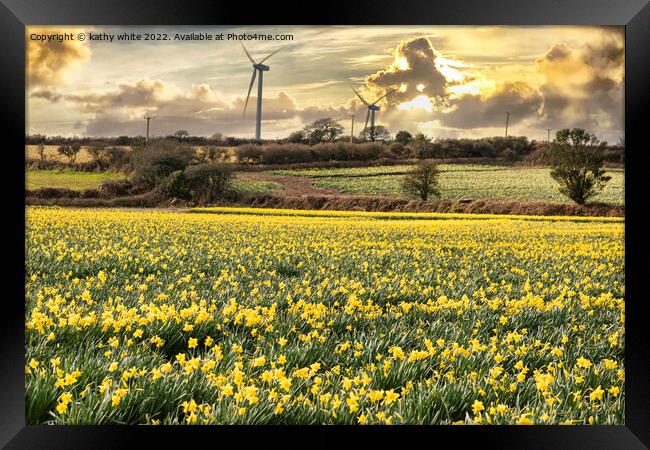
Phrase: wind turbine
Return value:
(261, 68)
(372, 107)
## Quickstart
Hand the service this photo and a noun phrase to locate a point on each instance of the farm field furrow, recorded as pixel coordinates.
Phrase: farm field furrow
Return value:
(472, 182)
(259, 316)
(254, 186)
(382, 170)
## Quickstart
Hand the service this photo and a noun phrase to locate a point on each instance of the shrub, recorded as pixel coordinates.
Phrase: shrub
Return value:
(116, 158)
(205, 183)
(159, 159)
(249, 153)
(297, 137)
(90, 193)
(398, 150)
(215, 153)
(403, 137)
(509, 155)
(486, 149)
(201, 183)
(96, 153)
(386, 153)
(285, 153)
(177, 186)
(537, 155)
(69, 151)
(365, 152)
(48, 164)
(420, 146)
(52, 193)
(115, 188)
(325, 152)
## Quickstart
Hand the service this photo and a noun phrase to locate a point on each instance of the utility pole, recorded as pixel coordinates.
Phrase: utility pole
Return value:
(507, 120)
(147, 118)
(352, 130)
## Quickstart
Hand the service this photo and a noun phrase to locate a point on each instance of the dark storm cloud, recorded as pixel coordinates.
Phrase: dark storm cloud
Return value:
(474, 111)
(608, 54)
(583, 89)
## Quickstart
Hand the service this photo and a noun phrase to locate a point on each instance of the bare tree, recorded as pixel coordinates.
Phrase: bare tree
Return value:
(70, 151)
(376, 133)
(321, 130)
(181, 134)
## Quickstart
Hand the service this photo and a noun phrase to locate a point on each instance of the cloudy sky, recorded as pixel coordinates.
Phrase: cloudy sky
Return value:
(450, 81)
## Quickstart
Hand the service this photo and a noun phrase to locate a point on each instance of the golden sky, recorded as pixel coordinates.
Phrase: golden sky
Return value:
(449, 81)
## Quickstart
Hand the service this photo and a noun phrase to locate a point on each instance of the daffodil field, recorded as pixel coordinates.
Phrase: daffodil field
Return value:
(244, 316)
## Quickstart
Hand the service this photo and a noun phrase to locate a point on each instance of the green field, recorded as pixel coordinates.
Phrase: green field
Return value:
(77, 181)
(254, 186)
(460, 181)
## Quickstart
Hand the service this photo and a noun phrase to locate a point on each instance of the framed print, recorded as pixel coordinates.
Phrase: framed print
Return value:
(372, 222)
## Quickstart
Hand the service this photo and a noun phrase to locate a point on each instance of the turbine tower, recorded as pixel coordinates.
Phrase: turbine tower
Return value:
(261, 68)
(372, 107)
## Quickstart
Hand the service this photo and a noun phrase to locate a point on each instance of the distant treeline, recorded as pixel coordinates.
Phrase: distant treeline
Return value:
(137, 141)
(247, 151)
(511, 149)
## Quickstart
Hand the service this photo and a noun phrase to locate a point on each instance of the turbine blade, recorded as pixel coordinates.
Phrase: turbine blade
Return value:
(271, 54)
(383, 96)
(365, 127)
(360, 97)
(249, 91)
(248, 54)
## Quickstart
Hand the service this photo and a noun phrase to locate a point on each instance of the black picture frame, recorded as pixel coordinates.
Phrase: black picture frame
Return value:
(16, 14)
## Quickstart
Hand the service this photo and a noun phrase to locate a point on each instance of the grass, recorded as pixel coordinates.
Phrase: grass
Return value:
(238, 317)
(78, 181)
(460, 181)
(69, 179)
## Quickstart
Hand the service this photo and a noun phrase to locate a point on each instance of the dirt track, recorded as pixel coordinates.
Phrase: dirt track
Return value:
(293, 186)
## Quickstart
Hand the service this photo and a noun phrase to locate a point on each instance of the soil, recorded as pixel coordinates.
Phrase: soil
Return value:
(293, 186)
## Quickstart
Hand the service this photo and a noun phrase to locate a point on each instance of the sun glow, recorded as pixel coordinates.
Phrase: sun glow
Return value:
(449, 68)
(419, 102)
(402, 63)
(475, 87)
